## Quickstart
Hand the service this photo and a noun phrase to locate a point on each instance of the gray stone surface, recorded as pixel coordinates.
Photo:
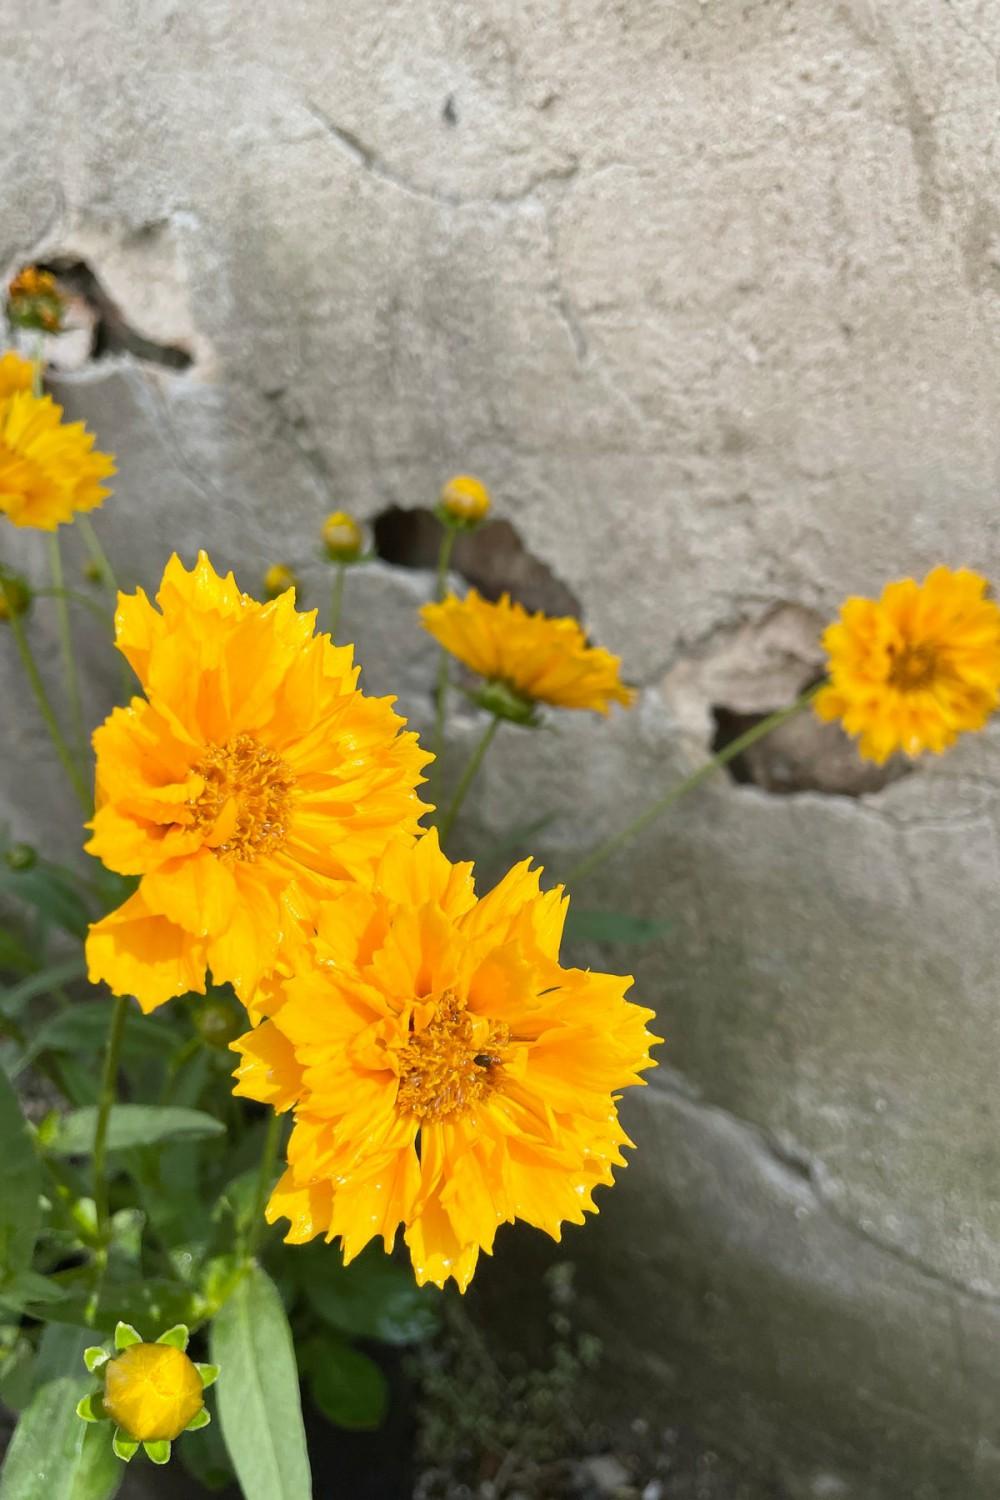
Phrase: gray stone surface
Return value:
(708, 292)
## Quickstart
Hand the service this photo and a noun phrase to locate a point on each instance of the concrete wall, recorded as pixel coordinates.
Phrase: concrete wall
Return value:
(708, 292)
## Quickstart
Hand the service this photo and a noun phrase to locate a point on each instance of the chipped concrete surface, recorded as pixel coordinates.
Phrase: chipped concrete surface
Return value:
(708, 291)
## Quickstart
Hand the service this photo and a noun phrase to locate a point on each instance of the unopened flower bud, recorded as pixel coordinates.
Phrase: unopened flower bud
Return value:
(35, 301)
(20, 857)
(93, 572)
(217, 1023)
(464, 501)
(342, 537)
(15, 596)
(278, 579)
(152, 1392)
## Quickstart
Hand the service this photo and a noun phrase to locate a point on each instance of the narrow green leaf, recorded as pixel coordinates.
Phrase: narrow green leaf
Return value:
(84, 1029)
(52, 892)
(28, 1289)
(132, 1125)
(15, 997)
(53, 1455)
(20, 1186)
(260, 1408)
(148, 1303)
(348, 1387)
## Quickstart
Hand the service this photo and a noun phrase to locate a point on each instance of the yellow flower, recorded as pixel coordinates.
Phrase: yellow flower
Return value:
(16, 374)
(251, 779)
(277, 579)
(342, 537)
(538, 659)
(152, 1392)
(465, 499)
(914, 669)
(446, 1073)
(35, 301)
(48, 468)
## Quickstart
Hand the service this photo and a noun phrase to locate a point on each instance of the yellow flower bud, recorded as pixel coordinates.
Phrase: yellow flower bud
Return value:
(35, 301)
(278, 579)
(342, 537)
(15, 596)
(465, 499)
(152, 1391)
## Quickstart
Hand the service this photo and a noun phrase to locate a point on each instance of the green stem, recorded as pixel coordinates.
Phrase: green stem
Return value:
(106, 1099)
(66, 642)
(44, 706)
(441, 690)
(730, 752)
(97, 554)
(337, 601)
(265, 1178)
(468, 777)
(76, 596)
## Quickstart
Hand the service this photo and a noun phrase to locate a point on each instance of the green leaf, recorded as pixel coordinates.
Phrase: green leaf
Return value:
(132, 1125)
(148, 1304)
(348, 1387)
(17, 1368)
(14, 955)
(27, 1288)
(258, 1395)
(54, 893)
(15, 997)
(84, 1029)
(20, 1186)
(370, 1298)
(53, 1455)
(613, 927)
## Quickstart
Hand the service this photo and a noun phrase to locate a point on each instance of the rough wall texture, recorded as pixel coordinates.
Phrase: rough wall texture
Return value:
(708, 291)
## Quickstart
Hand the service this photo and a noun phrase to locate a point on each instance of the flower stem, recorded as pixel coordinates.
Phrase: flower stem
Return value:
(45, 707)
(337, 602)
(730, 752)
(66, 642)
(264, 1183)
(441, 690)
(97, 554)
(106, 1099)
(468, 777)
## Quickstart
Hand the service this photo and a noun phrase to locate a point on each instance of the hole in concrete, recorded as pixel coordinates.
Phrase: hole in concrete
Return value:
(110, 333)
(493, 559)
(804, 755)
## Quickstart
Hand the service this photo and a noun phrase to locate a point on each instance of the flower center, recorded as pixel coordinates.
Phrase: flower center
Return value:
(453, 1063)
(912, 667)
(243, 805)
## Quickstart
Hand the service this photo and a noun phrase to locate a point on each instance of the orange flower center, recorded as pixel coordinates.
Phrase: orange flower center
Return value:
(243, 805)
(912, 667)
(455, 1061)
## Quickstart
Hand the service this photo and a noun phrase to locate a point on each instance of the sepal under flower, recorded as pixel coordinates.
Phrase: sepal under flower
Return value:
(152, 1392)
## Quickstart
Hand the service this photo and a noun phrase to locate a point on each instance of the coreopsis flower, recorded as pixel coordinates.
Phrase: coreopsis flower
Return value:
(342, 537)
(526, 658)
(152, 1392)
(464, 501)
(16, 374)
(251, 778)
(35, 301)
(49, 469)
(278, 578)
(446, 1074)
(915, 668)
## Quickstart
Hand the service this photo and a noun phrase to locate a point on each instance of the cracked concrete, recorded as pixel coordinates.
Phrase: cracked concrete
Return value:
(709, 293)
